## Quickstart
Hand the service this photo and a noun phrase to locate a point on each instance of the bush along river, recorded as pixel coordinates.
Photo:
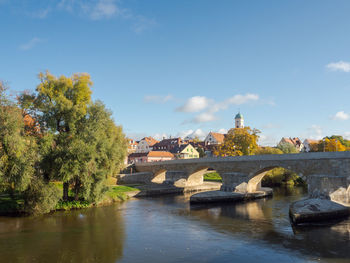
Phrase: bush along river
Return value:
(169, 229)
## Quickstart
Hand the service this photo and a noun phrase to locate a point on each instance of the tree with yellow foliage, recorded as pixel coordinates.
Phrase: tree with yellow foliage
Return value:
(331, 145)
(238, 141)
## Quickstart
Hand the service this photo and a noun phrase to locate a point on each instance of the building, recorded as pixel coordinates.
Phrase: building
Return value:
(148, 157)
(132, 145)
(185, 151)
(307, 144)
(145, 145)
(168, 144)
(296, 142)
(239, 121)
(214, 138)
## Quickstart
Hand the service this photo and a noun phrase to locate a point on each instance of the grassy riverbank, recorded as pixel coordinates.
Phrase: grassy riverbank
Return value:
(212, 177)
(115, 193)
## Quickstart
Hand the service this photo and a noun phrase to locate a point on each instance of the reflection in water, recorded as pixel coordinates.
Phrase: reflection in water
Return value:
(267, 220)
(168, 229)
(92, 235)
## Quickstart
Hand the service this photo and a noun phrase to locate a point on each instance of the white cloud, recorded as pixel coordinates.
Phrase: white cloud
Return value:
(103, 9)
(194, 104)
(30, 44)
(192, 134)
(95, 9)
(200, 103)
(242, 99)
(204, 117)
(339, 66)
(268, 140)
(341, 115)
(160, 136)
(158, 98)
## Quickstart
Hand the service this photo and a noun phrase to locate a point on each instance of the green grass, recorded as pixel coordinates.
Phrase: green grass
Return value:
(69, 205)
(212, 177)
(118, 192)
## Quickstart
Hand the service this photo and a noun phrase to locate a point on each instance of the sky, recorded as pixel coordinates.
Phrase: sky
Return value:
(186, 67)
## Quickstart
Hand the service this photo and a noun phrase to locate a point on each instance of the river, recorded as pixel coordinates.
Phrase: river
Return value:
(169, 229)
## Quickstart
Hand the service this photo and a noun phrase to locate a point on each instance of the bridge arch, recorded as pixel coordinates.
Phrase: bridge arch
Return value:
(159, 176)
(255, 179)
(196, 175)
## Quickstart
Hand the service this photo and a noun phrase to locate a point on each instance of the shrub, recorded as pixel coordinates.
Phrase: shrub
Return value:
(40, 197)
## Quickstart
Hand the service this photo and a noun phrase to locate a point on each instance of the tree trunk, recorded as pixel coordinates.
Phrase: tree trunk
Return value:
(76, 189)
(65, 191)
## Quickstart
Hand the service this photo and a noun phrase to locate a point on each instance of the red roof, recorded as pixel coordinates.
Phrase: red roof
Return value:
(160, 154)
(219, 137)
(150, 141)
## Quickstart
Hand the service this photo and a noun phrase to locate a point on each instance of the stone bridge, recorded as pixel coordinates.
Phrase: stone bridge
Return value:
(325, 172)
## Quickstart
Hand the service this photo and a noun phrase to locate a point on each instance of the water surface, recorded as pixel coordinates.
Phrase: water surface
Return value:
(169, 229)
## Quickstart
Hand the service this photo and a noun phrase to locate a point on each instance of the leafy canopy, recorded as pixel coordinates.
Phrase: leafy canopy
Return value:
(239, 141)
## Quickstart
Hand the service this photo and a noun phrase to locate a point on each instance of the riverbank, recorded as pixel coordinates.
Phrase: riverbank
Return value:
(14, 206)
(116, 193)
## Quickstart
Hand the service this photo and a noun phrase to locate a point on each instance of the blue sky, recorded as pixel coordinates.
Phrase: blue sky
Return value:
(181, 67)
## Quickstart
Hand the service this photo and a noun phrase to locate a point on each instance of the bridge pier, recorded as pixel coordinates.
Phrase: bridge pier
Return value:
(234, 181)
(176, 178)
(335, 188)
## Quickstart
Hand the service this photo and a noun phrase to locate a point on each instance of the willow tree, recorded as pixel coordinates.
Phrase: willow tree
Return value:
(103, 146)
(58, 104)
(17, 150)
(80, 143)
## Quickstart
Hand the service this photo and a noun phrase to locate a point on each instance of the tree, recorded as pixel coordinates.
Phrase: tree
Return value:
(102, 146)
(58, 104)
(239, 141)
(81, 145)
(267, 150)
(287, 148)
(330, 145)
(201, 152)
(17, 150)
(339, 138)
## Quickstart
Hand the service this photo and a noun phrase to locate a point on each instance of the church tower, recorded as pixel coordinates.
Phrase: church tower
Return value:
(239, 121)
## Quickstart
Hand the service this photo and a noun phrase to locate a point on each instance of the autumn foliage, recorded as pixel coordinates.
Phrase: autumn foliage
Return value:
(238, 141)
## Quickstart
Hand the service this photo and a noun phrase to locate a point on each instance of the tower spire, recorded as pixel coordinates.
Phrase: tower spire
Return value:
(239, 121)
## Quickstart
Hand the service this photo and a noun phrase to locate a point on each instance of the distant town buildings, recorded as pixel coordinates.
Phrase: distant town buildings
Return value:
(152, 156)
(214, 138)
(296, 142)
(307, 144)
(145, 145)
(168, 144)
(132, 145)
(149, 149)
(185, 151)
